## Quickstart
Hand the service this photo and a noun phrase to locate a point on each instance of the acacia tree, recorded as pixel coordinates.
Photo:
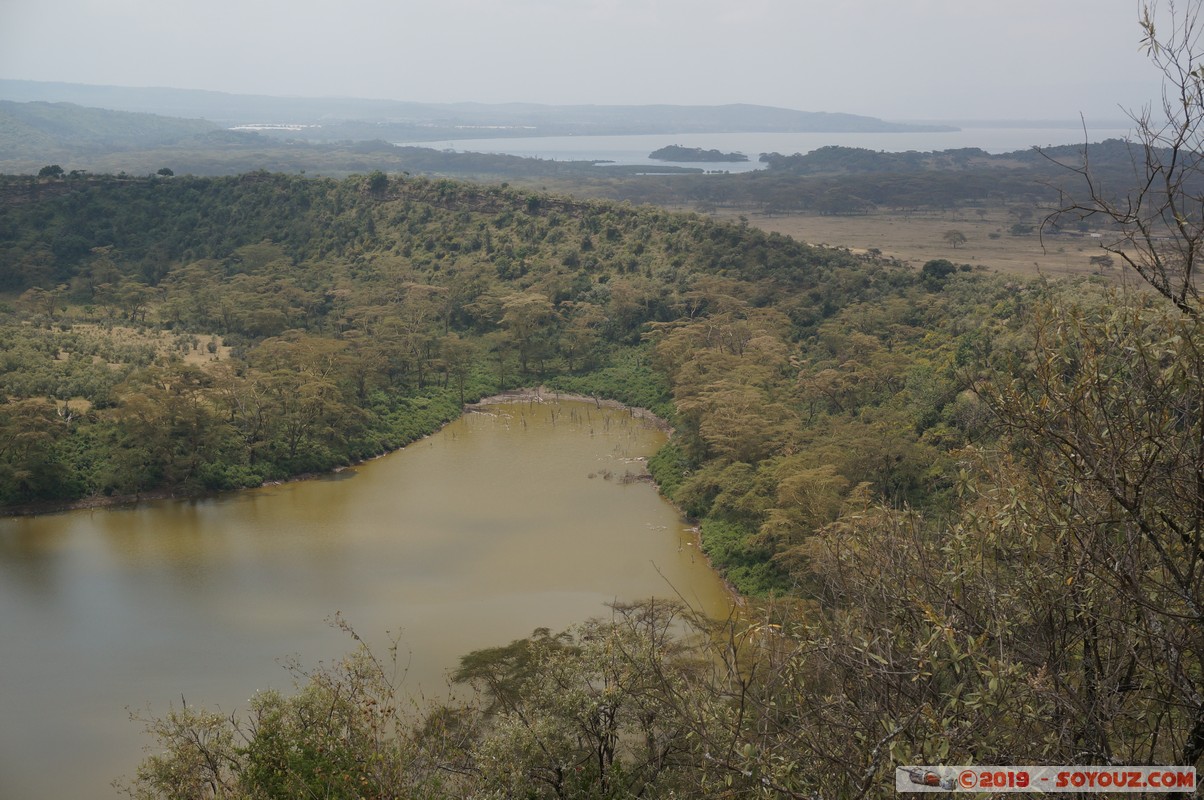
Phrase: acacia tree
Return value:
(529, 319)
(954, 238)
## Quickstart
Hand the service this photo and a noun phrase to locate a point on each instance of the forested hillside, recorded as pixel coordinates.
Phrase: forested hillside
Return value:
(964, 511)
(62, 131)
(193, 334)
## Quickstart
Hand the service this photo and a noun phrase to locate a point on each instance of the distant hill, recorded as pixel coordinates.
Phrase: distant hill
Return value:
(831, 179)
(362, 119)
(37, 134)
(54, 131)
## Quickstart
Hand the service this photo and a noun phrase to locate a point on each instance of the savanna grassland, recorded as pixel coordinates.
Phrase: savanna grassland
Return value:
(918, 237)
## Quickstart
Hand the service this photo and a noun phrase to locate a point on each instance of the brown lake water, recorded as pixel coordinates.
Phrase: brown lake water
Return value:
(508, 519)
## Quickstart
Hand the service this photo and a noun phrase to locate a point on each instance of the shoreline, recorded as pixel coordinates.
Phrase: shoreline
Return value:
(537, 394)
(542, 394)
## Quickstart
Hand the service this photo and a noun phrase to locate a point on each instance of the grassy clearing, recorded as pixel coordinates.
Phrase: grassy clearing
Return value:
(163, 342)
(919, 237)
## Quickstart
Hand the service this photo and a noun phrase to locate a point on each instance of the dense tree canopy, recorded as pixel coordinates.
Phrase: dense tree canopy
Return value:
(306, 323)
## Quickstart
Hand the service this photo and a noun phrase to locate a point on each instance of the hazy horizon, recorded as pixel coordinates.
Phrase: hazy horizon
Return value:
(1118, 119)
(906, 60)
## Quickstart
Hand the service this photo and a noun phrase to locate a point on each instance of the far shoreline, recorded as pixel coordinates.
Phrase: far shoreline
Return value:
(542, 394)
(537, 394)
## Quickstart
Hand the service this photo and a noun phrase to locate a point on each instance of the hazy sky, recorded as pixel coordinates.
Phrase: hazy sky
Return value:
(897, 59)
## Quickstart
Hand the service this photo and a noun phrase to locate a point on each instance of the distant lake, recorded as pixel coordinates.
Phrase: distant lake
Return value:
(634, 150)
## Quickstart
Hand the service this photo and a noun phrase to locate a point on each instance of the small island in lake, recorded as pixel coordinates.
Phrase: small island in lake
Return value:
(676, 152)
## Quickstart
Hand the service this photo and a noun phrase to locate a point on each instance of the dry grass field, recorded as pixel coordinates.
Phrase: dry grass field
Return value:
(917, 238)
(163, 342)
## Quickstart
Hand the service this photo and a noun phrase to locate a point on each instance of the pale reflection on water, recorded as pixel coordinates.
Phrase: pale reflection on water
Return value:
(506, 520)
